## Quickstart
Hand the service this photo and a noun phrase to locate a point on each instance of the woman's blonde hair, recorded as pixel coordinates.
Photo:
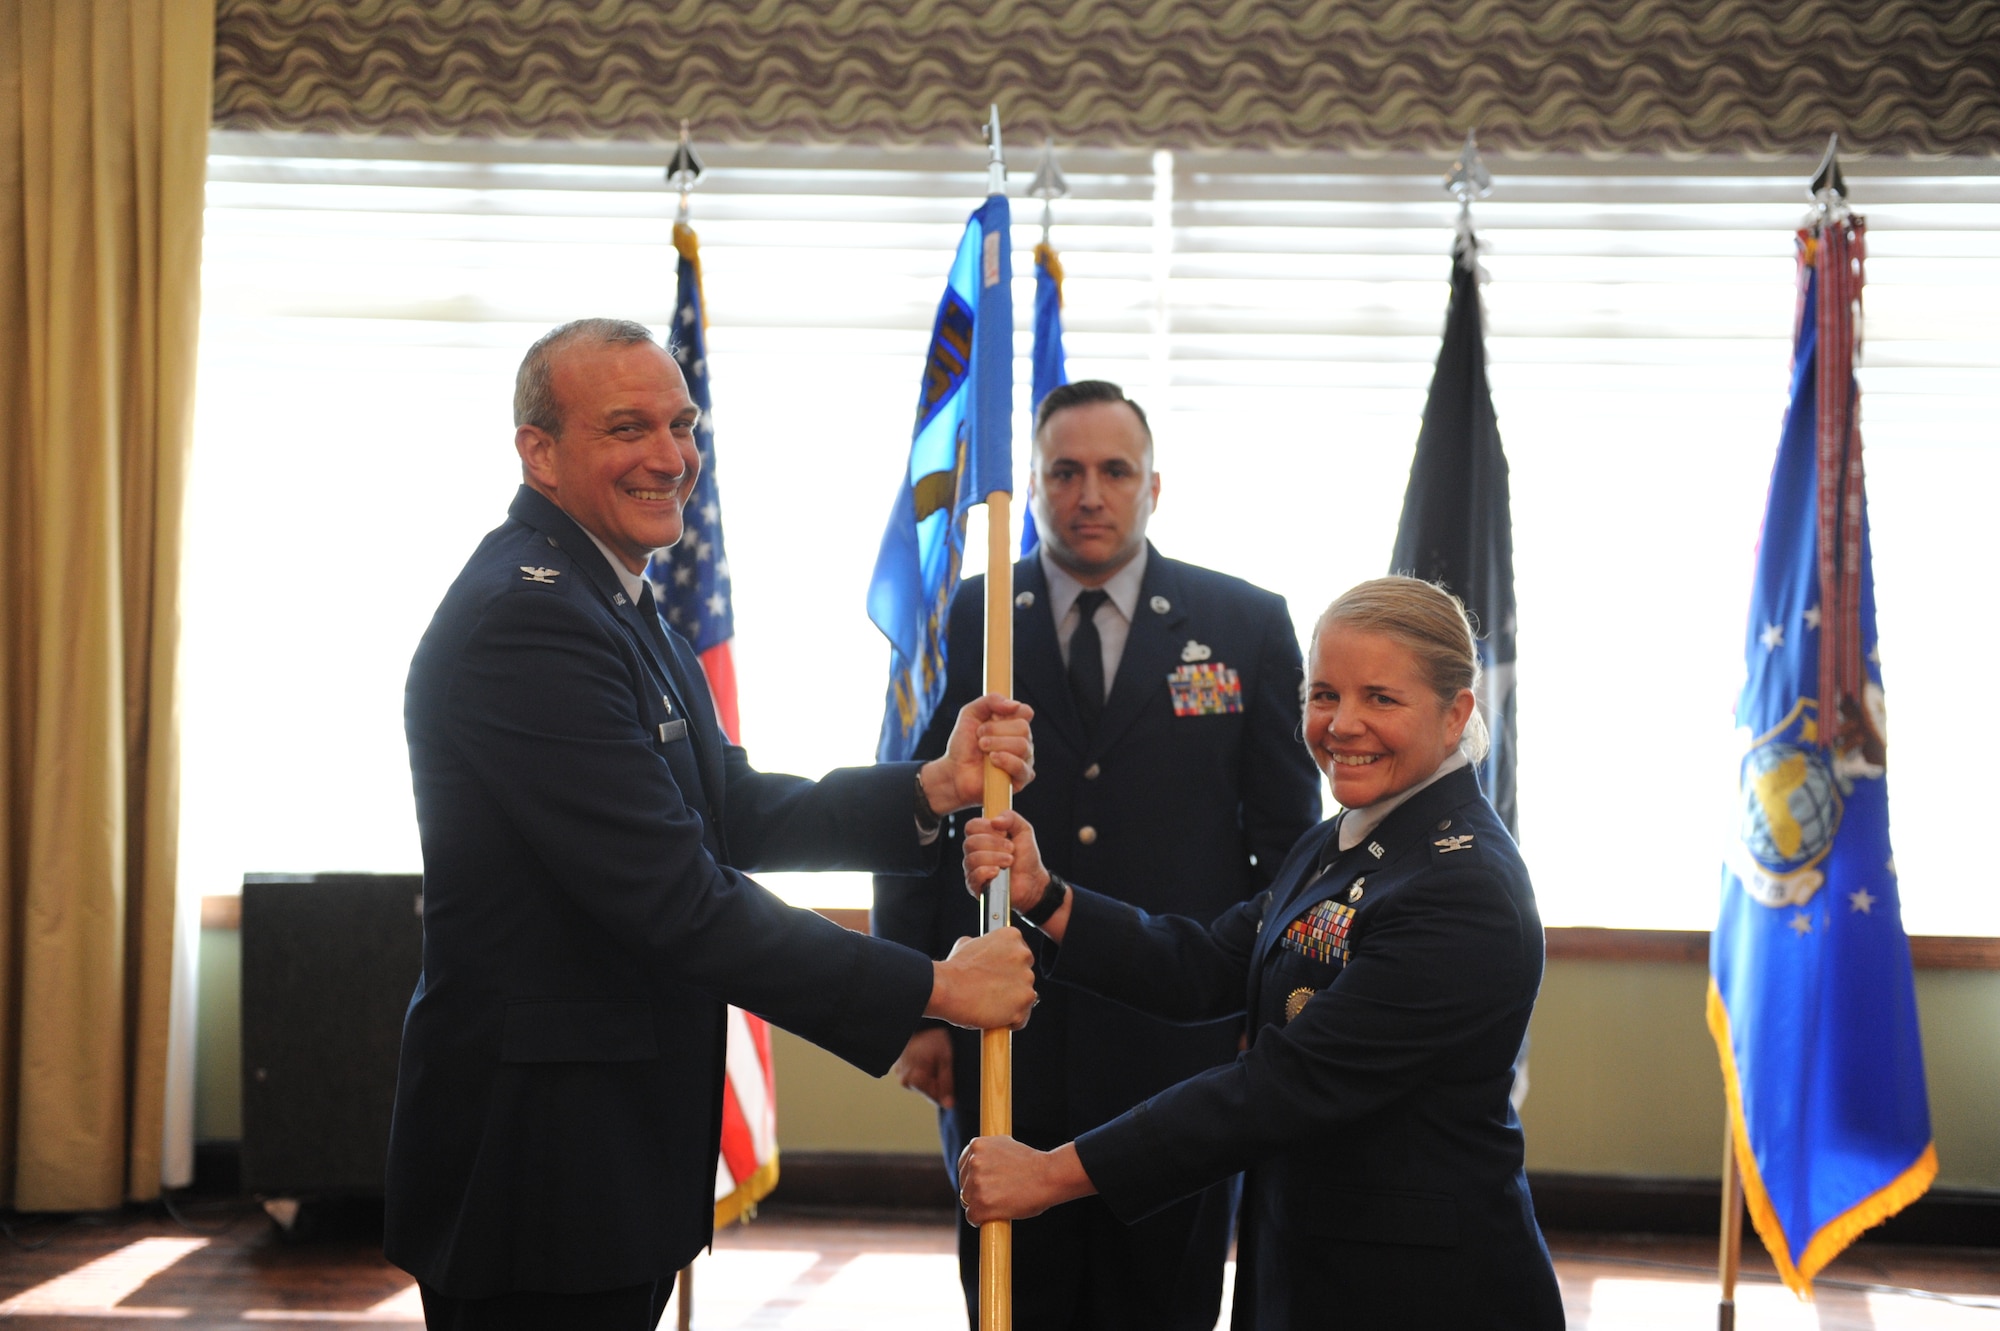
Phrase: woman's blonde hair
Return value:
(1432, 623)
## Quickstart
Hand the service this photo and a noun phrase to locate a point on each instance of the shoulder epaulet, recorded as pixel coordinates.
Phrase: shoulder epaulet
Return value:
(1448, 840)
(544, 564)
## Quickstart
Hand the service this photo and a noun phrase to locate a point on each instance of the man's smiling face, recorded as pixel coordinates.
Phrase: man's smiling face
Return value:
(626, 459)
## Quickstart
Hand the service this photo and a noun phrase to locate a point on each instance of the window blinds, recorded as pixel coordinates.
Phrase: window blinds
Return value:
(366, 302)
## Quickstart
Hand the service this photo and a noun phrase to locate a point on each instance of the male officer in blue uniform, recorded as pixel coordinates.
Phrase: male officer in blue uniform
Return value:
(585, 826)
(1168, 775)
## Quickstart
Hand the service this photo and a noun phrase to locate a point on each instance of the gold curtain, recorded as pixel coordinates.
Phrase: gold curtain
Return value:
(104, 112)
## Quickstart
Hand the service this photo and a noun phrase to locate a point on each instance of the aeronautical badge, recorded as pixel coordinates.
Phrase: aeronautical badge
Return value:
(1207, 689)
(1321, 933)
(1791, 798)
(1295, 1001)
(1196, 651)
(546, 576)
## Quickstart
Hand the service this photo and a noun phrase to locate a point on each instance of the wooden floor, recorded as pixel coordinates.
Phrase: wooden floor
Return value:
(228, 1267)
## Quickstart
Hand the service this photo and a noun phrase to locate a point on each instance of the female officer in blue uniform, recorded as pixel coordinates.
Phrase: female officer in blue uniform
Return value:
(1389, 974)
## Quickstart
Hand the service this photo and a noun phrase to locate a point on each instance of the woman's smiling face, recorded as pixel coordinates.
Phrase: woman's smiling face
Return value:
(1373, 721)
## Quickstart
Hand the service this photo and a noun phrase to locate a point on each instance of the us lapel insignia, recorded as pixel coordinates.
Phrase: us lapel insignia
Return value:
(1196, 651)
(1295, 1002)
(1375, 849)
(546, 576)
(1447, 844)
(618, 598)
(1208, 689)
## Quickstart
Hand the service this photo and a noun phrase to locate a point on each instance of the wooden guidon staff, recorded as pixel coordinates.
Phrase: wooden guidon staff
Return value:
(996, 1048)
(1729, 1259)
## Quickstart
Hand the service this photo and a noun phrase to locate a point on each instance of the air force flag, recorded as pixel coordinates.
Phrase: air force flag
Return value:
(1811, 1001)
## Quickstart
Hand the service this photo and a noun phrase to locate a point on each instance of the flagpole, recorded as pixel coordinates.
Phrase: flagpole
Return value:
(1730, 1259)
(996, 1050)
(996, 1047)
(682, 172)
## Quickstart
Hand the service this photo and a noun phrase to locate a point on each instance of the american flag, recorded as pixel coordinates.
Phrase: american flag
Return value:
(691, 584)
(691, 579)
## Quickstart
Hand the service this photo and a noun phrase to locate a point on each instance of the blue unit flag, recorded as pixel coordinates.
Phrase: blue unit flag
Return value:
(961, 452)
(1050, 370)
(1811, 999)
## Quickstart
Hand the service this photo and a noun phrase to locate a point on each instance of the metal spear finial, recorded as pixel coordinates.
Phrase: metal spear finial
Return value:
(684, 170)
(1048, 185)
(1469, 180)
(996, 161)
(1828, 188)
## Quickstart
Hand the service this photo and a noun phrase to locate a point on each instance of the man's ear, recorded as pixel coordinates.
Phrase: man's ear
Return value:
(537, 448)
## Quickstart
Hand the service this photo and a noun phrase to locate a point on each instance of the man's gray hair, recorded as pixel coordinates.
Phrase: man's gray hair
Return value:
(534, 392)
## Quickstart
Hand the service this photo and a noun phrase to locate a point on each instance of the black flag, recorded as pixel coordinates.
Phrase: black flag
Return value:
(1456, 528)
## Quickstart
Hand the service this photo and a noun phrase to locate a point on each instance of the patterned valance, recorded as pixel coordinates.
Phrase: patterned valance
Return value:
(1909, 77)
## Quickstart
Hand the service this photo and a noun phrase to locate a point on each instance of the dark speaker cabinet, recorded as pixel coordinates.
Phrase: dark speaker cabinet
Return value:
(329, 963)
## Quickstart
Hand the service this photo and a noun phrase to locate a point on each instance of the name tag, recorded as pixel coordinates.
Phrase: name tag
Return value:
(672, 730)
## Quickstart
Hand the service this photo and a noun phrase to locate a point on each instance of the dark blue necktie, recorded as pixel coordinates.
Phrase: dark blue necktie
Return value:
(1086, 660)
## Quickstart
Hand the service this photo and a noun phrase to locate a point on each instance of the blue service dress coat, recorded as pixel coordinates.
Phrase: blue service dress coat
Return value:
(1185, 810)
(1387, 998)
(585, 826)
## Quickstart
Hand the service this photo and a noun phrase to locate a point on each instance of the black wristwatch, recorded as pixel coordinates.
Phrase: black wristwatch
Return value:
(1053, 897)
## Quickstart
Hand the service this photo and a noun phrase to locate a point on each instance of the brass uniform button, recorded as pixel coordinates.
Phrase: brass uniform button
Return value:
(1445, 826)
(1092, 772)
(1087, 835)
(1295, 1002)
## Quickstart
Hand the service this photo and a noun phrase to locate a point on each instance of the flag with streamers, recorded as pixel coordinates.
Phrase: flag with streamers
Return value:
(1811, 999)
(960, 453)
(690, 582)
(1050, 369)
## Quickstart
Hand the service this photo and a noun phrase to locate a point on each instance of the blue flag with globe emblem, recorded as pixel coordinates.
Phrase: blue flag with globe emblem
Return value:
(1812, 1002)
(961, 451)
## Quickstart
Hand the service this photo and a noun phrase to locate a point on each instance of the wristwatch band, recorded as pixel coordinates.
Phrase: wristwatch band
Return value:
(1053, 897)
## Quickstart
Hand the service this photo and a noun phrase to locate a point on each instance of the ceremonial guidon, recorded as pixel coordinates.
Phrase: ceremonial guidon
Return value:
(1388, 988)
(1184, 799)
